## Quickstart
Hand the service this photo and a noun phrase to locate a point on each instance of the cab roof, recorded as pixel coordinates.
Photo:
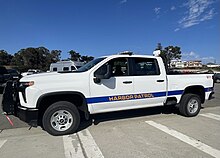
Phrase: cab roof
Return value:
(132, 55)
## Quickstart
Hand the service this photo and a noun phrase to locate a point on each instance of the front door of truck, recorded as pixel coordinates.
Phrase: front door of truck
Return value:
(114, 93)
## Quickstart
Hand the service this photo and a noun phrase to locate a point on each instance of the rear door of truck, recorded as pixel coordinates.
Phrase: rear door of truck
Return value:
(150, 82)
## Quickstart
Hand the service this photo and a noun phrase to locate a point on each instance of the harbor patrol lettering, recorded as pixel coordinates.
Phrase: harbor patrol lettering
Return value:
(131, 96)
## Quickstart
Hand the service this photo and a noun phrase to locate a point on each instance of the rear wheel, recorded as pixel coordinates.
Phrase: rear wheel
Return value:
(190, 105)
(61, 118)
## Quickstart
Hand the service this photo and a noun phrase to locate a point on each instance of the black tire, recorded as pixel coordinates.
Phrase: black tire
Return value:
(187, 109)
(67, 118)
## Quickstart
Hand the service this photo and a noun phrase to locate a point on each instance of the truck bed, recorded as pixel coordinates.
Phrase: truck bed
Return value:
(178, 82)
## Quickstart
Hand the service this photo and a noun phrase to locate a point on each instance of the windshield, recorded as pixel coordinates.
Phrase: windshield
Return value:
(89, 65)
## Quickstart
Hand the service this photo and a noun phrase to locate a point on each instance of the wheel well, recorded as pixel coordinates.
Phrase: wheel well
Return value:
(46, 100)
(171, 101)
(198, 90)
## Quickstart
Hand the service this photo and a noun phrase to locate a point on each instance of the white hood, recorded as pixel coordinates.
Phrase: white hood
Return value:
(52, 77)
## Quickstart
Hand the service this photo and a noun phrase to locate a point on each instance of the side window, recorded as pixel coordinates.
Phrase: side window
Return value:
(146, 66)
(55, 69)
(119, 66)
(65, 68)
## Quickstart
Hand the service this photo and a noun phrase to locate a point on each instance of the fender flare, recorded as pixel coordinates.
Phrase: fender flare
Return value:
(201, 87)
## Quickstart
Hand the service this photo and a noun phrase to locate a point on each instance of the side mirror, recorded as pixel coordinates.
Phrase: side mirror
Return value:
(104, 72)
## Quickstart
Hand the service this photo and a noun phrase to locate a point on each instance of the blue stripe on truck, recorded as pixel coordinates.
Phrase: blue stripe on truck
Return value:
(136, 96)
(125, 97)
(209, 89)
(178, 92)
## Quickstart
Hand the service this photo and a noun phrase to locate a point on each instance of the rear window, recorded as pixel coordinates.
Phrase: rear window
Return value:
(146, 66)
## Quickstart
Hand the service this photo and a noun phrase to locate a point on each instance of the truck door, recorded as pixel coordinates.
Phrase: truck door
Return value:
(114, 93)
(149, 82)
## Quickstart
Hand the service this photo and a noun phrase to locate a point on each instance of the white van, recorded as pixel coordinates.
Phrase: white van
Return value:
(65, 65)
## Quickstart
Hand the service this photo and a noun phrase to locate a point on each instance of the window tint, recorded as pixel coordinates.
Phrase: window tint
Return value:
(66, 69)
(146, 66)
(119, 66)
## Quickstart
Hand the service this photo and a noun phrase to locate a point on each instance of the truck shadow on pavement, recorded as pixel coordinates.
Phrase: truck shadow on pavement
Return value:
(120, 115)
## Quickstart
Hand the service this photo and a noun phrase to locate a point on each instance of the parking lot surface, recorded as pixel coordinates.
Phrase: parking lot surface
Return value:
(151, 132)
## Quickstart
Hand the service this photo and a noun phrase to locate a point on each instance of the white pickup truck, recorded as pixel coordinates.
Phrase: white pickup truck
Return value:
(58, 100)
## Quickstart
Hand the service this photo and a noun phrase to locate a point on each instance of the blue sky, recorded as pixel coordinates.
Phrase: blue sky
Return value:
(103, 27)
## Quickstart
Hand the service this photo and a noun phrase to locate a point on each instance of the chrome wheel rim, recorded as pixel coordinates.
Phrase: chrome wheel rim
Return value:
(193, 106)
(61, 120)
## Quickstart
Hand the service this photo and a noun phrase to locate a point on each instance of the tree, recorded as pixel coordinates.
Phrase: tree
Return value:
(169, 53)
(18, 61)
(5, 58)
(55, 55)
(86, 58)
(34, 58)
(172, 52)
(41, 58)
(90, 58)
(74, 56)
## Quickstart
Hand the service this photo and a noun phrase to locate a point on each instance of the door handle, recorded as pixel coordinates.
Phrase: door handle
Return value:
(160, 80)
(127, 82)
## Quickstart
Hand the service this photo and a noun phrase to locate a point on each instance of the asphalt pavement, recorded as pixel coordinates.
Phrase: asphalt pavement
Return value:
(151, 132)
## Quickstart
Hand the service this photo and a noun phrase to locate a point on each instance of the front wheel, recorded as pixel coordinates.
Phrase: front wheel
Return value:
(61, 118)
(190, 105)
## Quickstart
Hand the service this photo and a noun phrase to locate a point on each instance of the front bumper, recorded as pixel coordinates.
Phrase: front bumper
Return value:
(11, 105)
(28, 115)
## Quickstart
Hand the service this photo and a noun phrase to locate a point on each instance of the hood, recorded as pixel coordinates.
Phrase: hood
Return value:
(39, 75)
(52, 77)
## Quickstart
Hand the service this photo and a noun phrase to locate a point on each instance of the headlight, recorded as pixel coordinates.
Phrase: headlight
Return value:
(27, 84)
(22, 88)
